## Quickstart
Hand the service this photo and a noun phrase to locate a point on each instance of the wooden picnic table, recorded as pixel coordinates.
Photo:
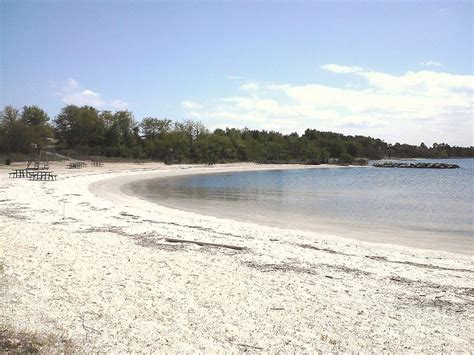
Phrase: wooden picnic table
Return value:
(19, 173)
(43, 175)
(32, 174)
(76, 165)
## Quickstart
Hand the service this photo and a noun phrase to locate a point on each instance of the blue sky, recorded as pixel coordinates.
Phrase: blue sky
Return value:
(401, 71)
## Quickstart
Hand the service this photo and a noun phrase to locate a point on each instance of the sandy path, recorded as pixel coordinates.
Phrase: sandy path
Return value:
(104, 276)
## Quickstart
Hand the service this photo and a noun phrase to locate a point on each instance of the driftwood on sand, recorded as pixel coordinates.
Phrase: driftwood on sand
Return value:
(173, 240)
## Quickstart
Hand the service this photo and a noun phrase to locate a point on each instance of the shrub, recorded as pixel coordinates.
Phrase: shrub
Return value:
(346, 158)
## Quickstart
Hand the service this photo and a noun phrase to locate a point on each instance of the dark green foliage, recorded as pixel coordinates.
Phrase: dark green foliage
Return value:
(346, 158)
(34, 116)
(18, 130)
(85, 131)
(79, 126)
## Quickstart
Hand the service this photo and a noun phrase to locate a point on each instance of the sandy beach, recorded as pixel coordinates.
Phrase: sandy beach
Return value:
(82, 260)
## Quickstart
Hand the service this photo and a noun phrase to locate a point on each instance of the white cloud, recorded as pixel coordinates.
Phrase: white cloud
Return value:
(422, 83)
(340, 69)
(430, 63)
(89, 93)
(416, 106)
(250, 86)
(72, 93)
(188, 104)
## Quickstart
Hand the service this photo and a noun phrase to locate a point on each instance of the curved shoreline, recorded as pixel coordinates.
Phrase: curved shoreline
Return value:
(177, 171)
(376, 234)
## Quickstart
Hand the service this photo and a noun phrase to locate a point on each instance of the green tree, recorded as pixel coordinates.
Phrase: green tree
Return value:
(346, 158)
(125, 123)
(34, 116)
(36, 121)
(354, 148)
(192, 128)
(80, 126)
(18, 130)
(153, 128)
(14, 134)
(8, 116)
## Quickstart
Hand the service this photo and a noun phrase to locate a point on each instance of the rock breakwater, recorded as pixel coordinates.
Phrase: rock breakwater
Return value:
(391, 164)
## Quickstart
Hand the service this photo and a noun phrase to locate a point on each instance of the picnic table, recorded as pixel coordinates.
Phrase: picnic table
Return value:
(43, 175)
(97, 163)
(76, 165)
(19, 173)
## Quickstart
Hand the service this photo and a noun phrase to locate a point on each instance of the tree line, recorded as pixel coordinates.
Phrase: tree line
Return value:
(86, 131)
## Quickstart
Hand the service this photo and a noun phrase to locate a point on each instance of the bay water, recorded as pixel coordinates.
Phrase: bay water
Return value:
(429, 208)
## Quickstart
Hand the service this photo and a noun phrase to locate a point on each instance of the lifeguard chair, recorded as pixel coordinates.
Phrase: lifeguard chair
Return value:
(38, 157)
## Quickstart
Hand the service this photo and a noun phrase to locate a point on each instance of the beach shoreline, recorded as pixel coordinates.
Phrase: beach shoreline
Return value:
(83, 259)
(363, 231)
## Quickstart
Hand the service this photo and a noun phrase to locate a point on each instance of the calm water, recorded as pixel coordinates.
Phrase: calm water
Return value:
(419, 207)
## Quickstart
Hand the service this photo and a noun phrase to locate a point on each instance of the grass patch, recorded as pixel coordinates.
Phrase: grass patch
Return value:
(13, 342)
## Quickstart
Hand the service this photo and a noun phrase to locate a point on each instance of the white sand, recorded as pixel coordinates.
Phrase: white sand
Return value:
(104, 277)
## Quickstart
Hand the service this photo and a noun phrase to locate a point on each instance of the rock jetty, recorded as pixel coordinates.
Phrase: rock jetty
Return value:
(392, 164)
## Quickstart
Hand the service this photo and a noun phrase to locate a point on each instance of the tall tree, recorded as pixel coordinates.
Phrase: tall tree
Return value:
(34, 116)
(8, 116)
(153, 128)
(13, 133)
(79, 126)
(37, 121)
